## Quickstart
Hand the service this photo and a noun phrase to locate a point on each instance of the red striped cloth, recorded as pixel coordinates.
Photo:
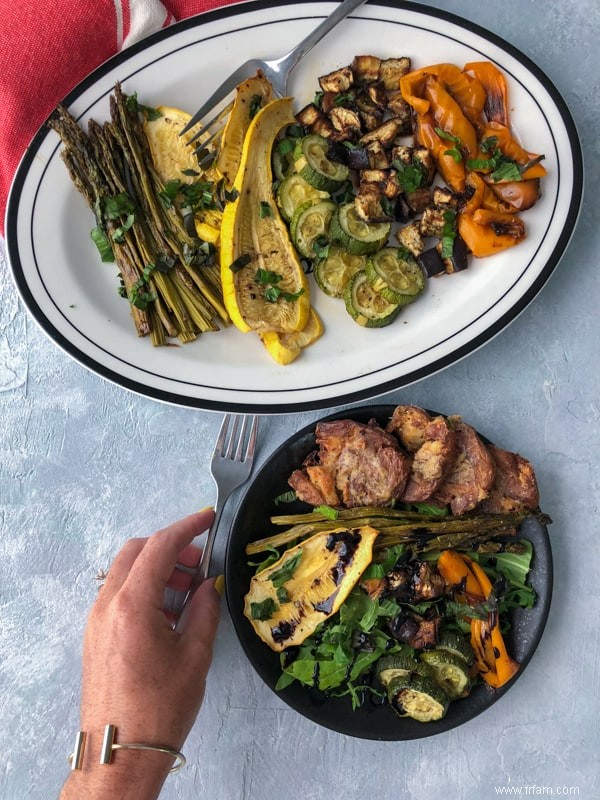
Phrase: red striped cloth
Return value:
(50, 45)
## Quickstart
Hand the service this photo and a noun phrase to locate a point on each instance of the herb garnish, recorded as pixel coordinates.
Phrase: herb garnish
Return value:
(136, 107)
(448, 233)
(264, 209)
(501, 167)
(273, 292)
(103, 244)
(454, 152)
(286, 570)
(411, 176)
(240, 262)
(263, 610)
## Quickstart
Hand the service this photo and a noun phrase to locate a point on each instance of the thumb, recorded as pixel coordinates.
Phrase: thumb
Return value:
(203, 616)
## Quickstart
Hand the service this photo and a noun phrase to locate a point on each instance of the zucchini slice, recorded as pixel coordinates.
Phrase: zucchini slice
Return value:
(419, 698)
(395, 274)
(396, 666)
(333, 272)
(293, 192)
(450, 671)
(366, 306)
(310, 222)
(356, 235)
(312, 163)
(457, 645)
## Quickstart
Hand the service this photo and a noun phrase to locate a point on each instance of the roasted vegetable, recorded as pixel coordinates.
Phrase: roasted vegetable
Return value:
(418, 697)
(473, 587)
(308, 584)
(449, 671)
(251, 95)
(264, 285)
(366, 305)
(356, 235)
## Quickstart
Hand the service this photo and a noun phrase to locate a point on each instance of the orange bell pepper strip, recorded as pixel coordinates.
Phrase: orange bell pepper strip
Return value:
(512, 149)
(514, 195)
(453, 172)
(494, 84)
(488, 232)
(492, 660)
(465, 89)
(411, 89)
(457, 571)
(474, 182)
(491, 656)
(449, 116)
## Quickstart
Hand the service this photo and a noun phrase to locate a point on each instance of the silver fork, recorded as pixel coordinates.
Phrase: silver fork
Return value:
(230, 466)
(276, 71)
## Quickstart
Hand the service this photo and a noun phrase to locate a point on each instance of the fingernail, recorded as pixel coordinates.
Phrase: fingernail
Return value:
(206, 508)
(220, 584)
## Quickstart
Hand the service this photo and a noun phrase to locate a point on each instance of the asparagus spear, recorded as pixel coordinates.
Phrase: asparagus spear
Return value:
(169, 295)
(429, 532)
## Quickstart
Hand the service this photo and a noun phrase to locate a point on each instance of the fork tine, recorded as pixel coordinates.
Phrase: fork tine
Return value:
(217, 96)
(218, 118)
(219, 444)
(252, 439)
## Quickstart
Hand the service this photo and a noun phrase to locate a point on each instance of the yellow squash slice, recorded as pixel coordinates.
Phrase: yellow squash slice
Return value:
(264, 286)
(174, 160)
(307, 585)
(250, 96)
(286, 347)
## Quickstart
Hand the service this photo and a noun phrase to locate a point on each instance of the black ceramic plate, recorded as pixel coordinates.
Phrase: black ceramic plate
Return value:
(370, 721)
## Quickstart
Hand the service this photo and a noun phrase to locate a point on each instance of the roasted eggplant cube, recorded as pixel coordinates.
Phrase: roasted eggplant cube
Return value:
(338, 81)
(346, 124)
(358, 158)
(431, 262)
(433, 221)
(370, 113)
(459, 260)
(315, 121)
(391, 70)
(442, 196)
(366, 68)
(410, 237)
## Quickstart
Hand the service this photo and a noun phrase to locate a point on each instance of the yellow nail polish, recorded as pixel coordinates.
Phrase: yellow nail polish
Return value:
(220, 584)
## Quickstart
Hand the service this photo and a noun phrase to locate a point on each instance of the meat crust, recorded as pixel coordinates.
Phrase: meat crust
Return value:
(355, 465)
(471, 477)
(433, 443)
(515, 485)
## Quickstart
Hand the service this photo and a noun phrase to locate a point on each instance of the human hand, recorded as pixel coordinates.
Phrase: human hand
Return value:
(138, 673)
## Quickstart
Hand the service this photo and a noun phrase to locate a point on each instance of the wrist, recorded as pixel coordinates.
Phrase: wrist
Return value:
(132, 774)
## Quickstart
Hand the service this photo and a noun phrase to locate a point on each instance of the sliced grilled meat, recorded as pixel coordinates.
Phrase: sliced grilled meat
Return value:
(515, 485)
(433, 443)
(363, 462)
(471, 477)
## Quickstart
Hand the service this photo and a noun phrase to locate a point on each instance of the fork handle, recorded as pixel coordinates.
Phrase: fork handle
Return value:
(300, 50)
(201, 573)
